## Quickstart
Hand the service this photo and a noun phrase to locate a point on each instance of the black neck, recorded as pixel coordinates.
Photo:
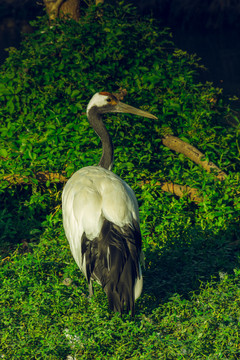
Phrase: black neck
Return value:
(96, 122)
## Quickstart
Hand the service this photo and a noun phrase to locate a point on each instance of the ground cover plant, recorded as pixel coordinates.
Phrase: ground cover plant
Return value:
(190, 304)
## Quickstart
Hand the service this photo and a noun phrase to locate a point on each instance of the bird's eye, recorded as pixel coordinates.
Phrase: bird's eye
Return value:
(109, 100)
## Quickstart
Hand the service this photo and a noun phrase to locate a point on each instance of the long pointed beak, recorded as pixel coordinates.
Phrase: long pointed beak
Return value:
(124, 108)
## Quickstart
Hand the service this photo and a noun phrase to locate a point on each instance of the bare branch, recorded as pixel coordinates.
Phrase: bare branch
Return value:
(42, 177)
(178, 190)
(194, 154)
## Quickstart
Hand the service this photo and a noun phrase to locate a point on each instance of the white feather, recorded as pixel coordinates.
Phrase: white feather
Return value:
(97, 100)
(138, 284)
(91, 195)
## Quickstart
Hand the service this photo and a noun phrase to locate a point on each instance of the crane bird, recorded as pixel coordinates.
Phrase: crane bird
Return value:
(101, 217)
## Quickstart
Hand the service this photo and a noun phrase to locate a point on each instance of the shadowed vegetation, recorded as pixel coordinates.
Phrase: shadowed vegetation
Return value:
(190, 304)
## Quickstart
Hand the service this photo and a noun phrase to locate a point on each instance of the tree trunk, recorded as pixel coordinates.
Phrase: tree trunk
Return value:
(63, 9)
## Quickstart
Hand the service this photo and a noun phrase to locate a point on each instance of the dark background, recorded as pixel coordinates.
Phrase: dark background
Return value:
(209, 28)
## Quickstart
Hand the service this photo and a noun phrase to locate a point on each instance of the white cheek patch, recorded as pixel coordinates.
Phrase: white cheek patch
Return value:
(97, 100)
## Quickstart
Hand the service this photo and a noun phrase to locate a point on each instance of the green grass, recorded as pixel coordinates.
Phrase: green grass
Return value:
(189, 308)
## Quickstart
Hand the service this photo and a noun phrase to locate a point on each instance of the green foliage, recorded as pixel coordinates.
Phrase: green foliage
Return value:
(190, 305)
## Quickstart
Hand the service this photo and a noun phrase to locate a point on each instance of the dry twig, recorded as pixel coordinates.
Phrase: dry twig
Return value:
(178, 190)
(174, 143)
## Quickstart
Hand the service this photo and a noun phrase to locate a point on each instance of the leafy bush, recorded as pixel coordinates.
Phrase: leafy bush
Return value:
(44, 90)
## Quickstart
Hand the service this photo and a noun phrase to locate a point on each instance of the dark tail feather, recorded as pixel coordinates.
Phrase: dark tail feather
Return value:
(120, 288)
(125, 246)
(113, 260)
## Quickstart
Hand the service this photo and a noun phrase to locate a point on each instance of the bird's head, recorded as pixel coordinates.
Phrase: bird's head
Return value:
(104, 102)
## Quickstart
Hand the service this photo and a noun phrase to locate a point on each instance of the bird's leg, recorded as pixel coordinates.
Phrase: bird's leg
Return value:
(90, 289)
